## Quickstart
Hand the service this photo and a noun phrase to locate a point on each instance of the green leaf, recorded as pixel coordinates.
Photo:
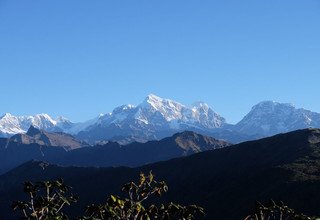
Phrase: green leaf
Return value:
(114, 199)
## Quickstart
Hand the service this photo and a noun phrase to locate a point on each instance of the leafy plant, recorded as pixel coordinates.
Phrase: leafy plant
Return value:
(46, 200)
(275, 211)
(132, 207)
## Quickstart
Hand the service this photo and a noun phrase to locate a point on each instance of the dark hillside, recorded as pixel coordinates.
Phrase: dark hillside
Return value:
(226, 182)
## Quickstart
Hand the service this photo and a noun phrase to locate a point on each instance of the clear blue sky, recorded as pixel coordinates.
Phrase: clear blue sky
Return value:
(78, 58)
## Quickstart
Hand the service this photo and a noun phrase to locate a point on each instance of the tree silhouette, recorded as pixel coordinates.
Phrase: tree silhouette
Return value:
(133, 208)
(46, 200)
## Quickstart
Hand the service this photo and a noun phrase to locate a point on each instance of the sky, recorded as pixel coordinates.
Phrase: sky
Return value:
(79, 58)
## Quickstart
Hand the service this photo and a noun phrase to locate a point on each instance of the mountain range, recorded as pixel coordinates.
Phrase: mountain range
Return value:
(156, 118)
(226, 181)
(63, 149)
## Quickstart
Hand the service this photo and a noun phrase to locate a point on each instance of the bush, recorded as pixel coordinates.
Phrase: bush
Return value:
(132, 207)
(47, 200)
(274, 211)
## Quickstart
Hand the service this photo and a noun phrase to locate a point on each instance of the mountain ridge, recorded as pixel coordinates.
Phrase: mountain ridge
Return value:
(226, 181)
(156, 118)
(14, 152)
(53, 139)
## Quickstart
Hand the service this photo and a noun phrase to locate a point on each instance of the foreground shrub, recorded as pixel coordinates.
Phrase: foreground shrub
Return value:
(46, 200)
(132, 207)
(274, 211)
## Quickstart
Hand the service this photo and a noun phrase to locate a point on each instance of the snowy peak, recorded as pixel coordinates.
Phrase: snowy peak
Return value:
(6, 115)
(272, 105)
(266, 108)
(157, 102)
(122, 108)
(11, 125)
(154, 118)
(271, 117)
(61, 119)
(200, 104)
(154, 114)
(168, 109)
(198, 115)
(157, 117)
(151, 98)
(40, 121)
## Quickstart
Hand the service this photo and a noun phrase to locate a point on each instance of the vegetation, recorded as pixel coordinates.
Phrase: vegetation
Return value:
(275, 211)
(48, 198)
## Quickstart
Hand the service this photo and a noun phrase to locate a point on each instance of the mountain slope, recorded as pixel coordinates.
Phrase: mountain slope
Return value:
(269, 118)
(154, 118)
(137, 154)
(14, 152)
(226, 182)
(11, 125)
(41, 137)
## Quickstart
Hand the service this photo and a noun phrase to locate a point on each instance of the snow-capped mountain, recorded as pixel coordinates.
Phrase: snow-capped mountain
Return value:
(75, 128)
(154, 118)
(269, 118)
(159, 112)
(10, 124)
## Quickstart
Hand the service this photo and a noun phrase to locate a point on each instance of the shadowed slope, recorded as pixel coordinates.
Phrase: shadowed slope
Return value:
(226, 182)
(23, 148)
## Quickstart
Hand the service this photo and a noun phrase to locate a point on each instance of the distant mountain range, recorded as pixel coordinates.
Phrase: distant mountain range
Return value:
(226, 181)
(156, 118)
(63, 149)
(11, 125)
